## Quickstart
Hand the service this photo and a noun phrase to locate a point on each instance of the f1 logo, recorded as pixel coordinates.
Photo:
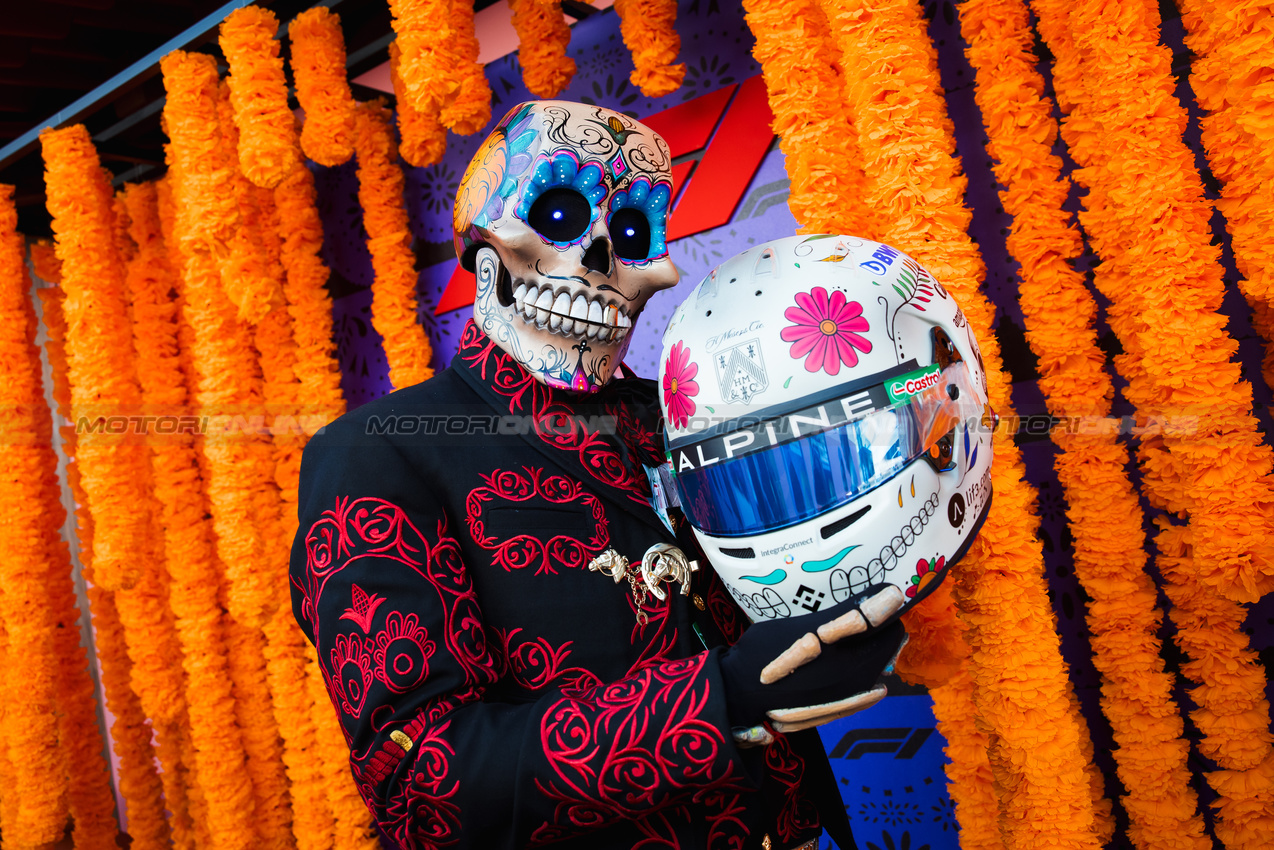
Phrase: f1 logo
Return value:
(718, 141)
(903, 743)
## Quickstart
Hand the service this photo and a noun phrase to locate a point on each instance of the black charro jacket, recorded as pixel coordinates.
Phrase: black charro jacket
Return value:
(495, 692)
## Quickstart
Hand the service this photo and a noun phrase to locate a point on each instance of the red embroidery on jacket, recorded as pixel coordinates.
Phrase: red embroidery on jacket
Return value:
(363, 611)
(628, 747)
(536, 664)
(525, 550)
(725, 613)
(402, 652)
(352, 673)
(555, 414)
(374, 528)
(422, 816)
(785, 769)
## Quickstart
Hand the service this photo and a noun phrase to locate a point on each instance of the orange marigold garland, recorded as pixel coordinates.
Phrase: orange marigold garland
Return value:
(238, 464)
(819, 144)
(542, 40)
(131, 734)
(1165, 287)
(318, 67)
(1233, 713)
(245, 277)
(1165, 282)
(471, 110)
(893, 94)
(113, 475)
(380, 192)
(1231, 60)
(1105, 515)
(189, 555)
(309, 303)
(259, 91)
(426, 34)
(44, 260)
(424, 137)
(30, 723)
(650, 35)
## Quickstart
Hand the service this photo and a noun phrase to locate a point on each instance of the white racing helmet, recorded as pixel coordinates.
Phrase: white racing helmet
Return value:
(827, 422)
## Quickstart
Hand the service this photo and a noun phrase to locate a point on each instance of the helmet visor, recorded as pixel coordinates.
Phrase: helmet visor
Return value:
(766, 475)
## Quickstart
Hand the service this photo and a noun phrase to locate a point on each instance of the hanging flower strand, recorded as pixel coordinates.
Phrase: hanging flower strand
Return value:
(424, 137)
(131, 734)
(426, 35)
(893, 93)
(258, 89)
(1230, 61)
(1105, 515)
(649, 34)
(542, 40)
(29, 724)
(188, 548)
(471, 109)
(380, 192)
(819, 144)
(322, 88)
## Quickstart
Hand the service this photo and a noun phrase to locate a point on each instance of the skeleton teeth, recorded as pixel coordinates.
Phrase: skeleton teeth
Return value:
(545, 301)
(541, 317)
(562, 305)
(579, 308)
(595, 312)
(624, 321)
(555, 321)
(519, 294)
(611, 315)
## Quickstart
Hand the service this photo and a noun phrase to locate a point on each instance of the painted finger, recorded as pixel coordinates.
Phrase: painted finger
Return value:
(883, 605)
(795, 719)
(806, 649)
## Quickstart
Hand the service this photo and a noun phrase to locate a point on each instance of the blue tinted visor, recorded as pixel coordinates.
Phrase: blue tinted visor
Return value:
(768, 487)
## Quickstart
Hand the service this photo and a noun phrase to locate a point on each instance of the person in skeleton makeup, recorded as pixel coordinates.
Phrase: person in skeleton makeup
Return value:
(517, 648)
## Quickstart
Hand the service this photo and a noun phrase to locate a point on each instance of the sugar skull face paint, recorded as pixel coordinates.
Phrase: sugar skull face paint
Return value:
(562, 216)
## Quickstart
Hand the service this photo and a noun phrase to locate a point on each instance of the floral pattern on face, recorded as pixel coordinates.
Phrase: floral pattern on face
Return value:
(825, 330)
(927, 570)
(680, 387)
(493, 176)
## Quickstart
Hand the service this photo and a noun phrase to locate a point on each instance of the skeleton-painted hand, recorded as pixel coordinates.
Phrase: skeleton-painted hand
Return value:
(805, 671)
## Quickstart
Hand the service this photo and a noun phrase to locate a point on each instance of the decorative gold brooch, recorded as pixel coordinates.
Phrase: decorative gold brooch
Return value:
(661, 563)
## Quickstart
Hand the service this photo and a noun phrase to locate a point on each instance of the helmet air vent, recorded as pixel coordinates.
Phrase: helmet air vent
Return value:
(844, 523)
(739, 553)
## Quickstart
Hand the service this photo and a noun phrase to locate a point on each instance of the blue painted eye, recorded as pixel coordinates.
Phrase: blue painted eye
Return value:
(630, 234)
(560, 214)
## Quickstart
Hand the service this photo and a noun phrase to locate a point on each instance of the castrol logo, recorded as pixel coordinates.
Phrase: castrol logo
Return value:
(913, 383)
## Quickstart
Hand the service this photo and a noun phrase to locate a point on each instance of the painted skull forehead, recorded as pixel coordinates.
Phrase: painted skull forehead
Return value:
(563, 215)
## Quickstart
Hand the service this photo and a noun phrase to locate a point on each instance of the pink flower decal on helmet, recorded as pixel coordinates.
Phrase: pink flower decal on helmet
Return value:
(823, 327)
(679, 385)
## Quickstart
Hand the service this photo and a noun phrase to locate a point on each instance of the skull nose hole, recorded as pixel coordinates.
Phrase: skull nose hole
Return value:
(504, 287)
(597, 257)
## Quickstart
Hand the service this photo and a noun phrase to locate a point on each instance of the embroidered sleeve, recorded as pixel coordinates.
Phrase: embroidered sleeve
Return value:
(380, 586)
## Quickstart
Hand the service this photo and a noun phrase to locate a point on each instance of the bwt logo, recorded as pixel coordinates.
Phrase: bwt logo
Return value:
(903, 742)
